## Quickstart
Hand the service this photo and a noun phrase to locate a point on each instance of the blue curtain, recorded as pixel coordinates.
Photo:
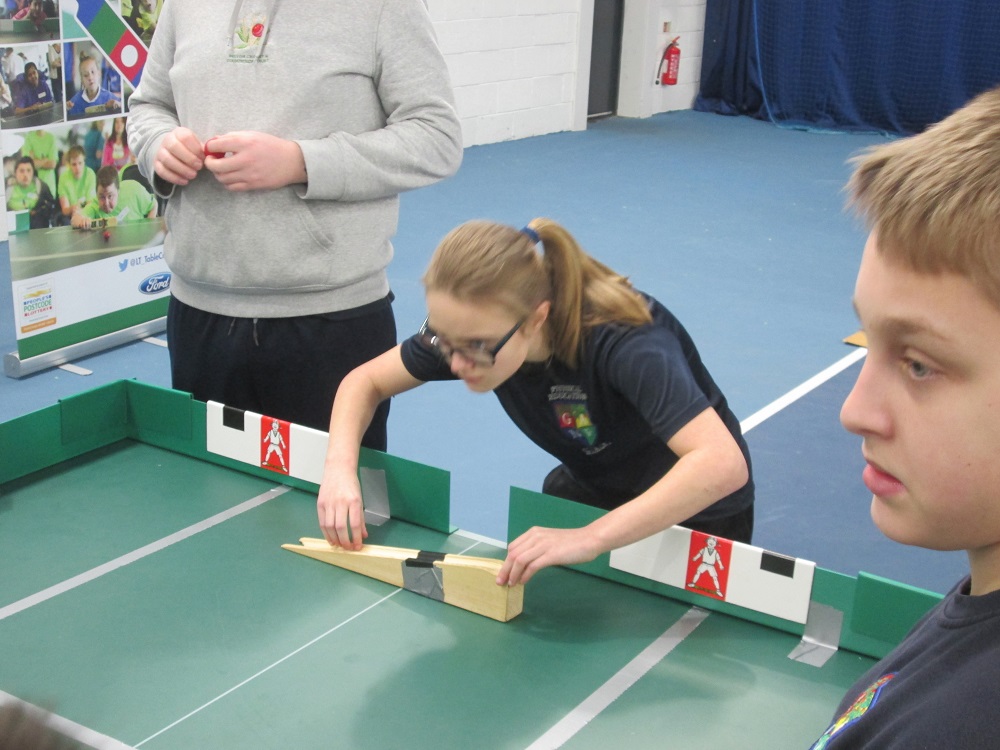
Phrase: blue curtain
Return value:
(891, 66)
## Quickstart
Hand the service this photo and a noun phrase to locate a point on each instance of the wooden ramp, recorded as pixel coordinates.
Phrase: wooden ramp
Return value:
(461, 580)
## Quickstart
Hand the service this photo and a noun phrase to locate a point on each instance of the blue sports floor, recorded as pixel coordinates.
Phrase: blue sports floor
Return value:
(736, 225)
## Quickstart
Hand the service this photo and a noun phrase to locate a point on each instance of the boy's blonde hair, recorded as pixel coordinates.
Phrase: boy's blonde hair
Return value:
(933, 199)
(482, 261)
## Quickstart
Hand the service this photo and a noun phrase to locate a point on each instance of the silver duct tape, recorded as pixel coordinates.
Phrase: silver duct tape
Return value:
(376, 496)
(425, 580)
(821, 637)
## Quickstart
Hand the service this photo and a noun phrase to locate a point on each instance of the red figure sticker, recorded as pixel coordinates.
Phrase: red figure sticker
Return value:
(275, 444)
(708, 565)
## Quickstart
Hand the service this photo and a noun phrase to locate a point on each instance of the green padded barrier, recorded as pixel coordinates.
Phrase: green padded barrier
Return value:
(175, 421)
(418, 493)
(162, 411)
(99, 414)
(871, 633)
(72, 427)
(886, 610)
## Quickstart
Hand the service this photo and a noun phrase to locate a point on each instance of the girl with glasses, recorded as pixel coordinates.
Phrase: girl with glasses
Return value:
(595, 372)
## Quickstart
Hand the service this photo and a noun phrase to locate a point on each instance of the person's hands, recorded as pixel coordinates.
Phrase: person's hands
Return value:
(340, 510)
(540, 547)
(254, 161)
(180, 157)
(79, 221)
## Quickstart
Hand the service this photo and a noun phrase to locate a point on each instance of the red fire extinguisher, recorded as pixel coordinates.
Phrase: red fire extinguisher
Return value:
(670, 63)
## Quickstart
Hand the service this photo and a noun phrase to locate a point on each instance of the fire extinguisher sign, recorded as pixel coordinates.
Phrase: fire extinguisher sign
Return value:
(670, 63)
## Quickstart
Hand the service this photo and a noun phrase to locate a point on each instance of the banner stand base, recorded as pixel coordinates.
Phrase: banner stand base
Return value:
(15, 367)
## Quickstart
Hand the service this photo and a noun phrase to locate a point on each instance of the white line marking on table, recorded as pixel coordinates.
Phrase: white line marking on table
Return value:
(283, 659)
(480, 538)
(268, 668)
(627, 676)
(131, 557)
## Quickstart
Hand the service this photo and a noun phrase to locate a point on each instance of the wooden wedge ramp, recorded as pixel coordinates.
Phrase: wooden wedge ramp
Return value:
(461, 580)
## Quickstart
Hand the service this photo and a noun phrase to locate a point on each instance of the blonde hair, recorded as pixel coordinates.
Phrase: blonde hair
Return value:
(933, 199)
(86, 56)
(485, 261)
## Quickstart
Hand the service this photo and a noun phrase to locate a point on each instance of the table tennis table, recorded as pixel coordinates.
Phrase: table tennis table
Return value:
(146, 602)
(40, 251)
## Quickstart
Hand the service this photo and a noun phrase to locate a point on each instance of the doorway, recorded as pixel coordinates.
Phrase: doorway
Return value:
(605, 57)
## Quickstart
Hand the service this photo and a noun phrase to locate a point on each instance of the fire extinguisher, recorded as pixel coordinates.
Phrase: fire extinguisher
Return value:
(670, 63)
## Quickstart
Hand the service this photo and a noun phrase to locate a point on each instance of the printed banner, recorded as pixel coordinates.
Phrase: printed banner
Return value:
(85, 230)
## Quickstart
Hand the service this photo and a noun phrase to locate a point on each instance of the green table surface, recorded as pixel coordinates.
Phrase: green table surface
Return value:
(224, 640)
(39, 251)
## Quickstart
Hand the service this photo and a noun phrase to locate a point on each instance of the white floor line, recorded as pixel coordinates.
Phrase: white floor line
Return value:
(131, 557)
(798, 392)
(627, 676)
(64, 726)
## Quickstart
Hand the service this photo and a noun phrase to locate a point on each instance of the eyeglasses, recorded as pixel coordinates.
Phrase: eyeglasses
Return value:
(476, 352)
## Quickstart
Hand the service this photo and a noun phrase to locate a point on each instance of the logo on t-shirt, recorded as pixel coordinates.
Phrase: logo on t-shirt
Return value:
(865, 702)
(570, 405)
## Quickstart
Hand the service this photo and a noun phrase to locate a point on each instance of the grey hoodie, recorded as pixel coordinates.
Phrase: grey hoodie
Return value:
(362, 88)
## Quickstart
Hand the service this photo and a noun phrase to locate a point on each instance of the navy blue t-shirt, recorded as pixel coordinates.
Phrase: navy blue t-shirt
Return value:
(608, 420)
(935, 690)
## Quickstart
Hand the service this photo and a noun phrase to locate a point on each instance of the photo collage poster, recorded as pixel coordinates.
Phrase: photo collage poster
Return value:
(85, 230)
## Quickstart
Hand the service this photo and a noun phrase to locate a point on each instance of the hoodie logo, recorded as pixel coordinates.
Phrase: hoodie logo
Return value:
(249, 38)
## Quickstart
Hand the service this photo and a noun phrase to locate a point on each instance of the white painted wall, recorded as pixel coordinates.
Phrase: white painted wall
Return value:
(521, 68)
(643, 43)
(513, 65)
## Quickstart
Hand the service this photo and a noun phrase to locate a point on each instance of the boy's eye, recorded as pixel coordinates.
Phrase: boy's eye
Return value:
(918, 369)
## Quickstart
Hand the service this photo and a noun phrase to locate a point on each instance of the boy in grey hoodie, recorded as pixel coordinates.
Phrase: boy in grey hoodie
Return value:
(282, 134)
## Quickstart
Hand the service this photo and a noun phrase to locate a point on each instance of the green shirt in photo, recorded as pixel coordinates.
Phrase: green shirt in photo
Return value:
(134, 203)
(21, 198)
(42, 145)
(78, 192)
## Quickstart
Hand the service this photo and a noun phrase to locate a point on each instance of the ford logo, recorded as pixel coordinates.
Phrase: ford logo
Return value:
(155, 284)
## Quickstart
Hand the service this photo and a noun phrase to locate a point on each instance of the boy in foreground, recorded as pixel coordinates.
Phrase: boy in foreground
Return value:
(927, 405)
